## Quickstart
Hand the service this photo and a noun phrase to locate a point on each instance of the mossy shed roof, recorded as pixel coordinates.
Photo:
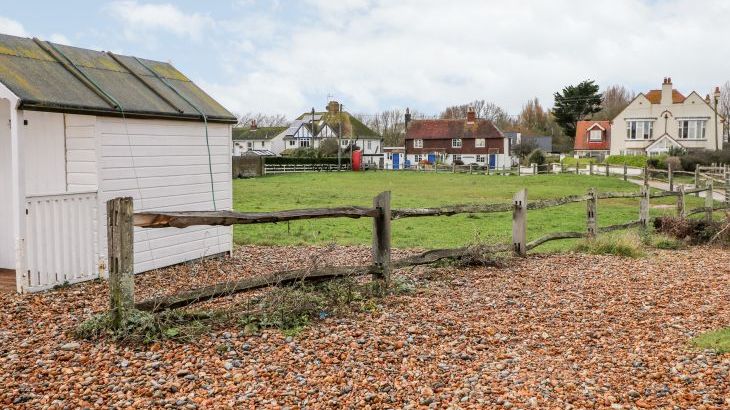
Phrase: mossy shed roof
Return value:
(53, 77)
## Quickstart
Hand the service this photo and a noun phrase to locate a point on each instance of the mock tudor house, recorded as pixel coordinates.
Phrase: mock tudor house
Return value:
(470, 141)
(336, 122)
(655, 122)
(592, 139)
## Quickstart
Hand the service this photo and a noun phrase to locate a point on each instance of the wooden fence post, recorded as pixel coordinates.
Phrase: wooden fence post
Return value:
(590, 168)
(120, 239)
(607, 170)
(470, 168)
(670, 175)
(591, 209)
(697, 179)
(644, 207)
(625, 172)
(453, 167)
(519, 223)
(727, 186)
(646, 175)
(709, 202)
(680, 202)
(381, 237)
(562, 167)
(534, 168)
(519, 169)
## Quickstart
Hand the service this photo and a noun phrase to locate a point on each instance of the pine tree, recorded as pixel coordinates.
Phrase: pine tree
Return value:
(574, 104)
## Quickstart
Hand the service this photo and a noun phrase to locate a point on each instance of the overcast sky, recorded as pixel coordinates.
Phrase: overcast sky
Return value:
(287, 56)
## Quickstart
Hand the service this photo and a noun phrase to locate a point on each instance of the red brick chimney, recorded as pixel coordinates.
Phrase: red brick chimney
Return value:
(253, 124)
(471, 116)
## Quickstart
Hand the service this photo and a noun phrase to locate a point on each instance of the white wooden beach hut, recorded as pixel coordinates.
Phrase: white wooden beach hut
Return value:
(80, 127)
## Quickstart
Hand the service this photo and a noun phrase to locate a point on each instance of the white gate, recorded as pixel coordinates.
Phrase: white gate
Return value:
(61, 239)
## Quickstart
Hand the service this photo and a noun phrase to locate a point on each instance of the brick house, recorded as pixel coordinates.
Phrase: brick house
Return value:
(592, 138)
(470, 141)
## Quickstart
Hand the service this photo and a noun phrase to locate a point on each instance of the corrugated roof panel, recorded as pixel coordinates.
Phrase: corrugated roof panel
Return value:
(43, 83)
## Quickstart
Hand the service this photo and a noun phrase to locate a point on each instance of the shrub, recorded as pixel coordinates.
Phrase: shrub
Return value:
(537, 156)
(627, 244)
(657, 161)
(696, 231)
(675, 162)
(145, 327)
(704, 157)
(630, 160)
(458, 162)
(666, 242)
(300, 161)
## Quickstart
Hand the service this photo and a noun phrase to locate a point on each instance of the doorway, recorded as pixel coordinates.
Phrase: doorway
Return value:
(7, 249)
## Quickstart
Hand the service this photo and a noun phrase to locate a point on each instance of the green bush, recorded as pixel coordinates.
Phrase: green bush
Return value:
(630, 160)
(675, 162)
(581, 161)
(537, 156)
(667, 242)
(657, 161)
(305, 160)
(704, 157)
(626, 244)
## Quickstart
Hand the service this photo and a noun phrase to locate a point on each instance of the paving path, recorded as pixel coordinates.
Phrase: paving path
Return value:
(716, 195)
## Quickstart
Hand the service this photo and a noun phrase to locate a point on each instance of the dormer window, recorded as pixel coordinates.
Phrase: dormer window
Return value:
(595, 135)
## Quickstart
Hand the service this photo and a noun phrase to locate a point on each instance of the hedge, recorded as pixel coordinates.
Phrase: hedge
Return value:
(304, 161)
(630, 160)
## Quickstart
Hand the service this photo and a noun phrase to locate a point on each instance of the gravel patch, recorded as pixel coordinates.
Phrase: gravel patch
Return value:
(562, 331)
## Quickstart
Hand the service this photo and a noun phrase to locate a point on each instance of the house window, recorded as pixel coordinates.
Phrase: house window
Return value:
(304, 142)
(456, 157)
(263, 144)
(418, 143)
(370, 145)
(481, 158)
(292, 143)
(418, 157)
(456, 143)
(344, 143)
(390, 156)
(692, 129)
(639, 130)
(480, 143)
(249, 145)
(595, 135)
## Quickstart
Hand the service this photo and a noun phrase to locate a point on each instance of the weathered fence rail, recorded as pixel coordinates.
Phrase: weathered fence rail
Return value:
(122, 220)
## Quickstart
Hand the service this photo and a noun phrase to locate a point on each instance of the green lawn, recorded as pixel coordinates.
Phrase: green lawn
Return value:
(411, 189)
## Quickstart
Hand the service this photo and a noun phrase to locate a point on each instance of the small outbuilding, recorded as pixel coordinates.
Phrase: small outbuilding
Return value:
(85, 126)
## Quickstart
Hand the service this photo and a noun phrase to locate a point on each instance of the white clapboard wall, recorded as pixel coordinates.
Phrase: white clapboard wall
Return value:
(163, 165)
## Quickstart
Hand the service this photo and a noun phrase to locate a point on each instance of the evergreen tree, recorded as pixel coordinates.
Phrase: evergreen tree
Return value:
(575, 103)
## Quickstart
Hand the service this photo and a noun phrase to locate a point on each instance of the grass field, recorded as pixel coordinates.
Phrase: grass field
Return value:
(411, 189)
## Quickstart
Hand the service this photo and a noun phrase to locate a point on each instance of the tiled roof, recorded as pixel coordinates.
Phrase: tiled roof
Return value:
(260, 133)
(446, 129)
(351, 126)
(581, 136)
(53, 77)
(655, 97)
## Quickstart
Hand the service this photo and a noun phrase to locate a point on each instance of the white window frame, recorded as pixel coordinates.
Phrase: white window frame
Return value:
(249, 145)
(480, 143)
(418, 157)
(304, 142)
(639, 129)
(370, 144)
(292, 142)
(593, 133)
(418, 143)
(456, 157)
(456, 143)
(692, 129)
(481, 158)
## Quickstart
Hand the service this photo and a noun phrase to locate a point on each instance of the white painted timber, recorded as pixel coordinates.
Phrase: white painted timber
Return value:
(44, 156)
(62, 239)
(7, 248)
(163, 165)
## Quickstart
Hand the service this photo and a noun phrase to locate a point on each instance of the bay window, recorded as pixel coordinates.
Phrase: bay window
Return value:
(692, 129)
(639, 129)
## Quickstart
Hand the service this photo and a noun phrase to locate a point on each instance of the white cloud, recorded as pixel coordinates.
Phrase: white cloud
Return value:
(12, 27)
(428, 54)
(140, 19)
(59, 39)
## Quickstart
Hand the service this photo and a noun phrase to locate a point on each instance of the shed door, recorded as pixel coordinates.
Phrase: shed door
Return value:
(7, 249)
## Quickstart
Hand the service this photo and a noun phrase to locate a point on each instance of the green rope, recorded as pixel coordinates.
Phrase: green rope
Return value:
(205, 121)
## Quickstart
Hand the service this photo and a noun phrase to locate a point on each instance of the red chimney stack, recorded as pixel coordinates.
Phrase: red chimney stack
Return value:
(471, 116)
(253, 124)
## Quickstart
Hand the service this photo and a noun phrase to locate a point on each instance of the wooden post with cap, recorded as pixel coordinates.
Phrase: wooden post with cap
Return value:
(519, 223)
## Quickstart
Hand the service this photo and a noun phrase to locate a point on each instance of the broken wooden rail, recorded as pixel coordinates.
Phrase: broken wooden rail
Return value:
(121, 220)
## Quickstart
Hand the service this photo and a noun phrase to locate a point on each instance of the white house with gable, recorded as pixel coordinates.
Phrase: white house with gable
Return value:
(82, 127)
(655, 122)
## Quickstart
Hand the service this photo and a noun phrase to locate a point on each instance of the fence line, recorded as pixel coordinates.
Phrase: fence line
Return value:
(122, 220)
